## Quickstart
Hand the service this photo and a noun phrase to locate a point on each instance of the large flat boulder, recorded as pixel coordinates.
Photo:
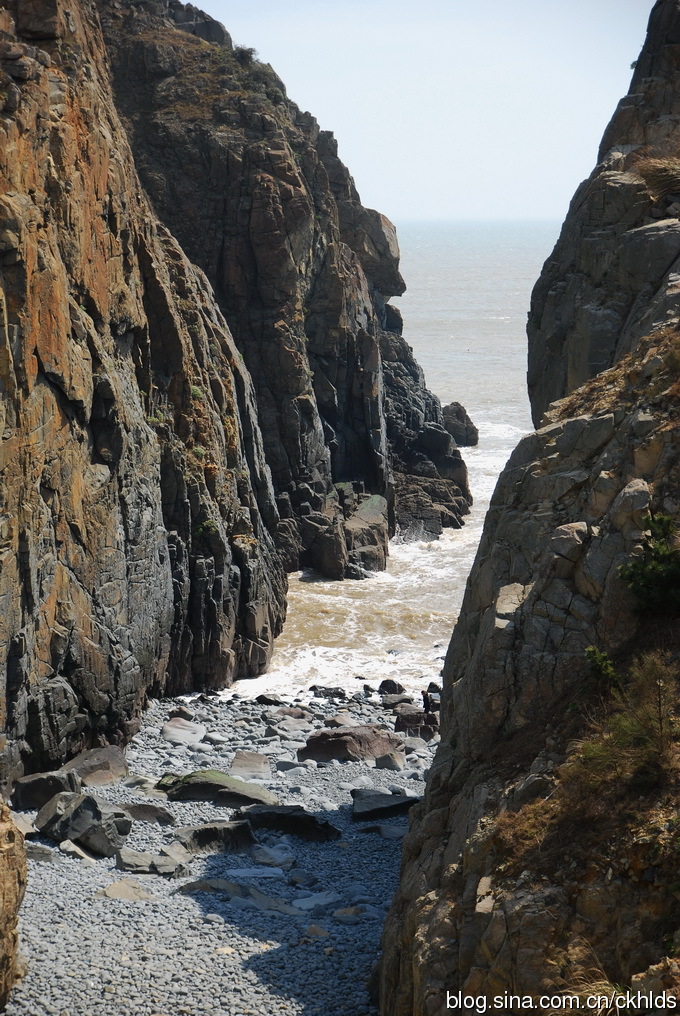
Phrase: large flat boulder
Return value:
(179, 730)
(230, 837)
(95, 824)
(379, 804)
(349, 744)
(291, 818)
(214, 785)
(34, 791)
(98, 766)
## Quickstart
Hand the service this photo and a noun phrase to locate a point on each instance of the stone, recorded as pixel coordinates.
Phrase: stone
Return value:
(98, 766)
(374, 804)
(392, 760)
(290, 818)
(316, 901)
(322, 691)
(127, 889)
(387, 832)
(72, 849)
(24, 824)
(341, 720)
(267, 699)
(32, 792)
(390, 701)
(349, 744)
(143, 812)
(141, 862)
(97, 825)
(459, 425)
(250, 765)
(279, 856)
(181, 731)
(214, 785)
(228, 837)
(39, 852)
(391, 687)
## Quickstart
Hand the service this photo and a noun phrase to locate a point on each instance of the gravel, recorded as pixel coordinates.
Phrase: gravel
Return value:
(200, 953)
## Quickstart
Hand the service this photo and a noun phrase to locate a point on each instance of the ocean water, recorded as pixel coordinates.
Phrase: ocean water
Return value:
(468, 289)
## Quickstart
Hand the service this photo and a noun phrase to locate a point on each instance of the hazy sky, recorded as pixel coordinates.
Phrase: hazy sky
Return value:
(452, 109)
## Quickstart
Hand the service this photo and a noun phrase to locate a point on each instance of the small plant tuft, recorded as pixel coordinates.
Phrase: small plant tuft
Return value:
(654, 578)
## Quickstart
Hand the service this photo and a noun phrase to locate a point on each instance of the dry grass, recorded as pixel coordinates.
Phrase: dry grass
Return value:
(661, 175)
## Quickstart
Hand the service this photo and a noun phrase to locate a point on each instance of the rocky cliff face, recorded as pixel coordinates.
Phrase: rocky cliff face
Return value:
(612, 273)
(159, 477)
(257, 196)
(137, 505)
(519, 875)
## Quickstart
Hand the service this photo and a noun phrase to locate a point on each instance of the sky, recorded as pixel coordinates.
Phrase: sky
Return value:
(452, 109)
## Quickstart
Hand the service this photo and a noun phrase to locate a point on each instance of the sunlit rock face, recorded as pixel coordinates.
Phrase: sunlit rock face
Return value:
(504, 889)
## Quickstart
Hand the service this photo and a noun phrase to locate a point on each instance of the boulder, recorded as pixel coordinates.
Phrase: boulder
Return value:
(143, 812)
(181, 731)
(229, 837)
(379, 804)
(391, 687)
(349, 744)
(141, 862)
(95, 824)
(98, 766)
(392, 760)
(321, 691)
(250, 765)
(30, 792)
(290, 818)
(214, 785)
(459, 425)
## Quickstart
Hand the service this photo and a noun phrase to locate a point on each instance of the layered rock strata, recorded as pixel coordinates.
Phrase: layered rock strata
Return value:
(572, 506)
(614, 270)
(137, 506)
(257, 196)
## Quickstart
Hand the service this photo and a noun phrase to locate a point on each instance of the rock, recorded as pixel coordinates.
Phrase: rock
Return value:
(235, 891)
(141, 862)
(24, 824)
(316, 901)
(230, 837)
(390, 701)
(459, 425)
(392, 760)
(391, 687)
(95, 824)
(530, 788)
(31, 792)
(39, 852)
(214, 785)
(98, 766)
(143, 812)
(374, 804)
(341, 720)
(280, 856)
(127, 889)
(290, 818)
(321, 691)
(250, 765)
(269, 700)
(72, 849)
(181, 731)
(349, 744)
(177, 852)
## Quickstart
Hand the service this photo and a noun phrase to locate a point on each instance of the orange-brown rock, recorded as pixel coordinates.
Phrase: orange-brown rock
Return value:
(12, 887)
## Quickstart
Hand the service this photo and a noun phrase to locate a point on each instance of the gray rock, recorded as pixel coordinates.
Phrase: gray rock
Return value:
(290, 818)
(95, 824)
(392, 760)
(34, 791)
(374, 804)
(250, 765)
(214, 785)
(141, 862)
(98, 766)
(143, 812)
(229, 837)
(181, 731)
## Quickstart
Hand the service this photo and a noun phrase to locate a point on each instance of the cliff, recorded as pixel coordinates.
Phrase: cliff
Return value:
(610, 278)
(543, 859)
(203, 385)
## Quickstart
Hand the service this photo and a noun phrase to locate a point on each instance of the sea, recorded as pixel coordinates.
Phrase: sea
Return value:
(464, 310)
